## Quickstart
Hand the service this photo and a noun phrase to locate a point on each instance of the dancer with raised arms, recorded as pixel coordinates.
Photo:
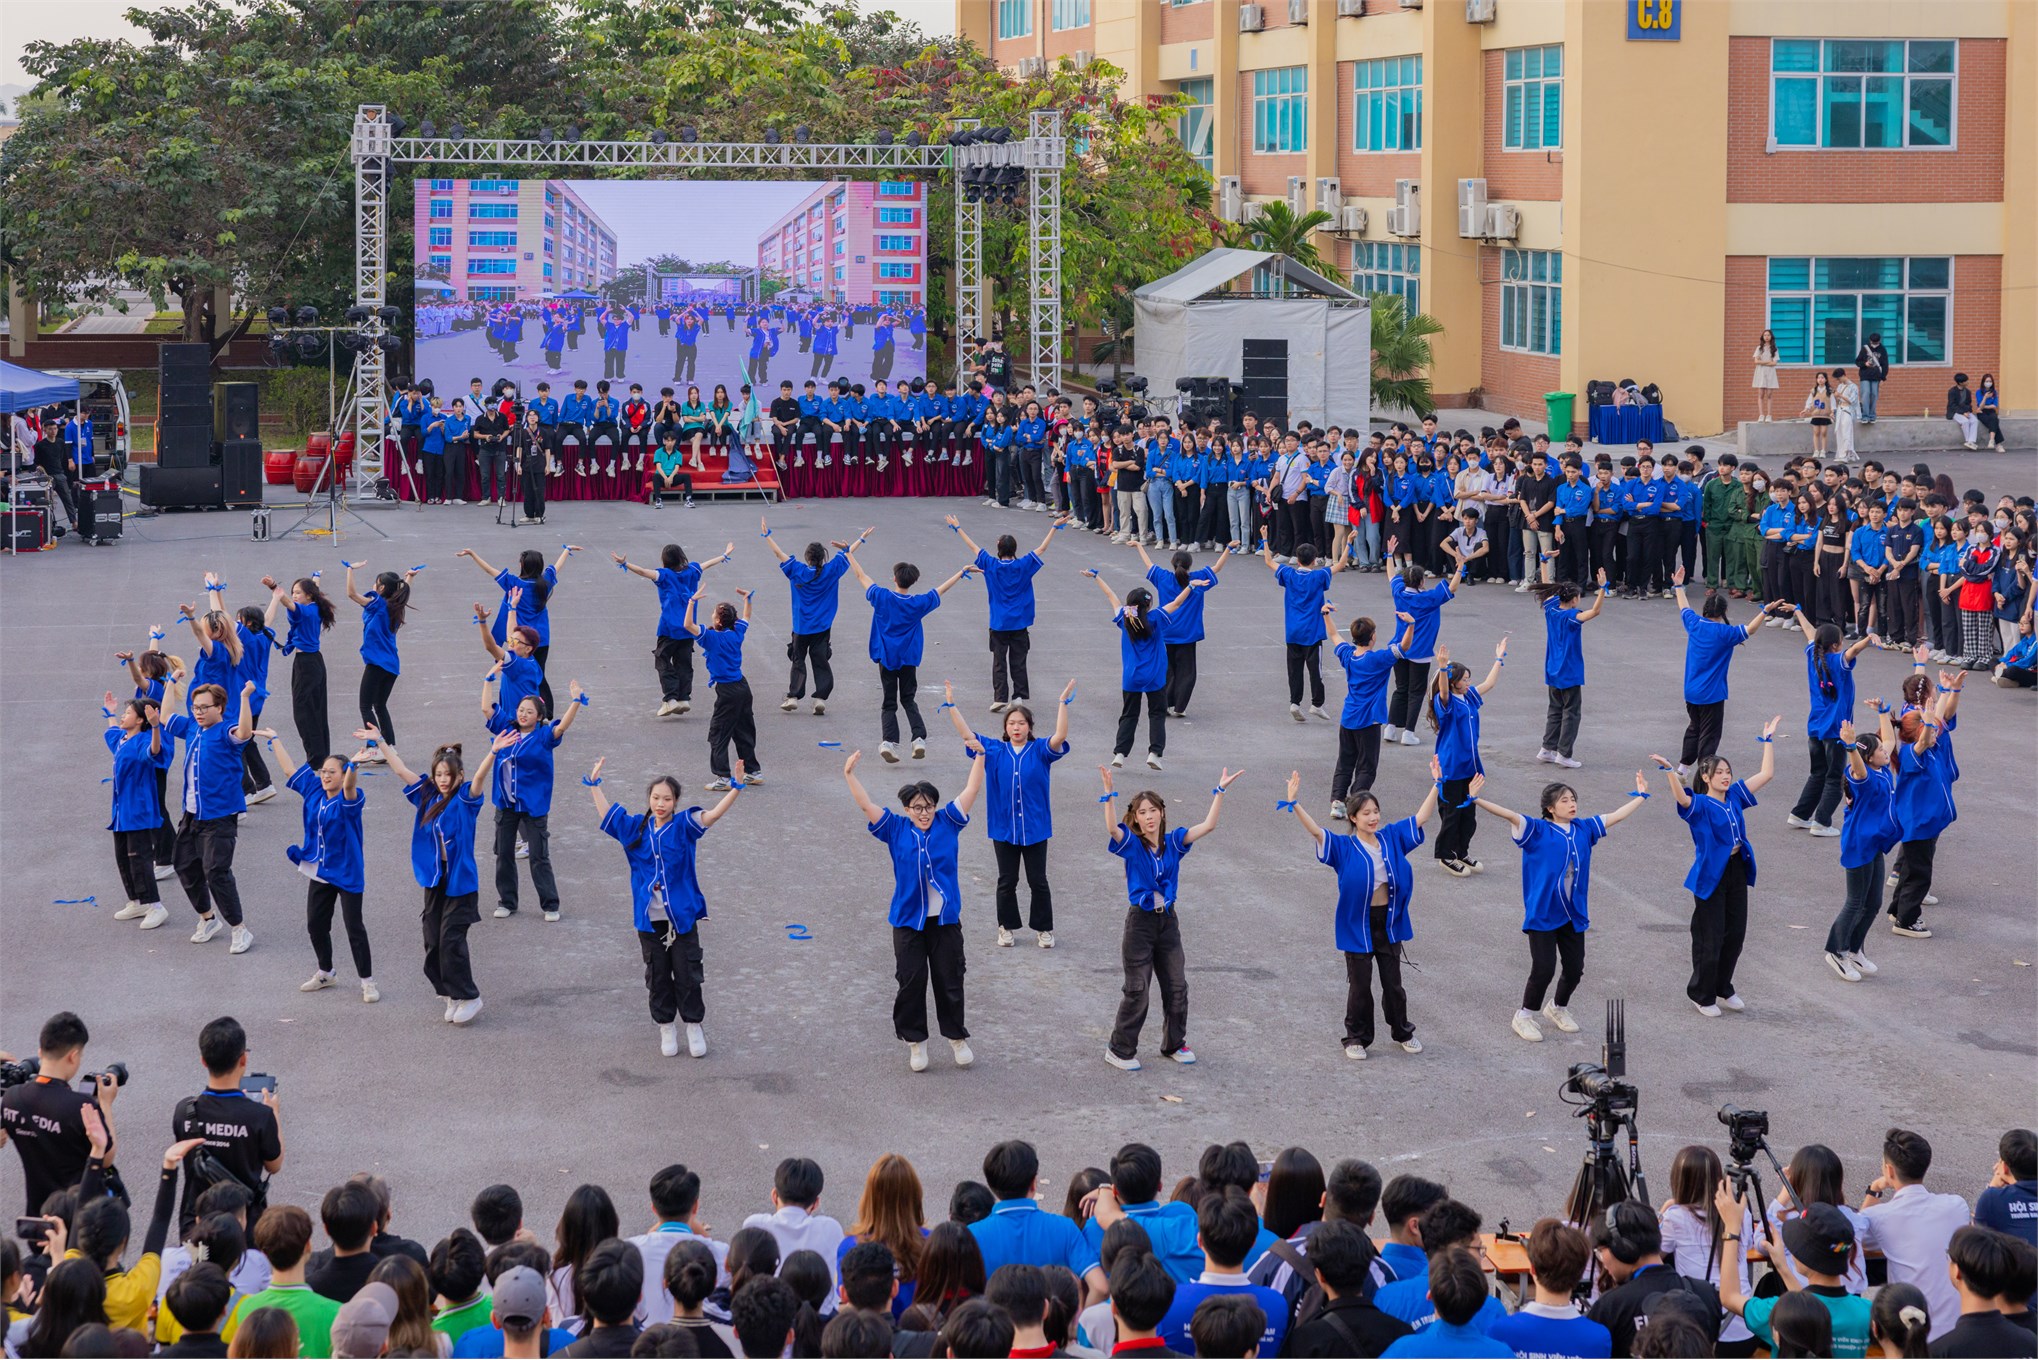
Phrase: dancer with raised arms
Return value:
(1564, 664)
(134, 737)
(1019, 808)
(735, 714)
(812, 576)
(1008, 581)
(1187, 628)
(213, 802)
(898, 639)
(332, 856)
(1867, 833)
(1709, 642)
(1411, 672)
(382, 614)
(1829, 675)
(1454, 704)
(310, 614)
(523, 797)
(1152, 944)
(1303, 586)
(1143, 664)
(672, 652)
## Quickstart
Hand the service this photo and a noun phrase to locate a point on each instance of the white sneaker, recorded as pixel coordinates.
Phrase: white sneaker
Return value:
(551, 915)
(960, 1047)
(1409, 739)
(1358, 1054)
(1184, 1055)
(1295, 712)
(888, 752)
(1568, 763)
(916, 1054)
(451, 1006)
(668, 1040)
(696, 1041)
(919, 748)
(523, 850)
(503, 913)
(1153, 760)
(1684, 772)
(788, 704)
(820, 707)
(1004, 938)
(370, 993)
(317, 982)
(1174, 712)
(1801, 823)
(157, 915)
(1862, 965)
(1045, 940)
(164, 871)
(1823, 831)
(208, 926)
(1560, 1017)
(1929, 901)
(243, 940)
(668, 708)
(1710, 1012)
(716, 785)
(1337, 810)
(685, 706)
(262, 795)
(132, 911)
(1522, 589)
(1733, 1002)
(1842, 965)
(1316, 711)
(1390, 735)
(1411, 1045)
(1547, 757)
(1118, 760)
(465, 1012)
(999, 706)
(1122, 1064)
(1525, 1025)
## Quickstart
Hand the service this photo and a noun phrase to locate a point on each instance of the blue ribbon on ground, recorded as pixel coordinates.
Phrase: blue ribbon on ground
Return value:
(797, 932)
(87, 901)
(829, 745)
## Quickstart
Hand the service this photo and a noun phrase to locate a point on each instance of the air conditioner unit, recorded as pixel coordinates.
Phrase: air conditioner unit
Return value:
(1479, 11)
(1411, 4)
(1472, 208)
(1251, 18)
(1298, 11)
(1298, 195)
(1032, 66)
(1503, 222)
(1329, 196)
(1230, 199)
(1351, 9)
(1405, 217)
(1351, 220)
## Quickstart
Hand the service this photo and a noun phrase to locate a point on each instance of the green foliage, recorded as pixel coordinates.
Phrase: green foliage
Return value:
(1279, 230)
(299, 395)
(1401, 355)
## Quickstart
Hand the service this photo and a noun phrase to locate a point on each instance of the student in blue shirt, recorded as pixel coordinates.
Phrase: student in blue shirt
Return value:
(1365, 708)
(1444, 1226)
(257, 641)
(527, 598)
(677, 578)
(1867, 571)
(1549, 1323)
(735, 715)
(1411, 672)
(1924, 796)
(1030, 434)
(898, 638)
(1143, 664)
(1227, 1228)
(1160, 491)
(331, 856)
(1709, 643)
(1186, 629)
(448, 804)
(1457, 1289)
(523, 797)
(1008, 581)
(1722, 869)
(1556, 883)
(1304, 584)
(1453, 704)
(1019, 767)
(1020, 1232)
(666, 905)
(382, 611)
(1152, 941)
(1572, 524)
(813, 577)
(1564, 664)
(926, 906)
(220, 654)
(615, 343)
(210, 794)
(1829, 674)
(134, 737)
(1374, 885)
(1868, 833)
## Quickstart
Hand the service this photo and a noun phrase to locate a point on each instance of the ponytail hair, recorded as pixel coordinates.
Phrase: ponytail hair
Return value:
(672, 557)
(1901, 1318)
(531, 566)
(448, 754)
(725, 616)
(1446, 680)
(219, 622)
(1551, 793)
(1825, 641)
(396, 592)
(157, 665)
(1412, 576)
(1562, 591)
(1137, 601)
(815, 555)
(1363, 630)
(1183, 564)
(317, 599)
(1701, 773)
(1713, 607)
(1916, 688)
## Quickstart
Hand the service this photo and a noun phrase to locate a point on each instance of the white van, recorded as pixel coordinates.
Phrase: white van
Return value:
(103, 396)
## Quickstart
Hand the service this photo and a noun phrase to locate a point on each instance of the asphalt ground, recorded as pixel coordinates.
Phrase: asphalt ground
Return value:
(560, 1080)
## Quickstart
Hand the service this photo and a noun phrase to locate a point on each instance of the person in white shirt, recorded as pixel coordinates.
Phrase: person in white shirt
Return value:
(795, 1195)
(675, 1199)
(1911, 1225)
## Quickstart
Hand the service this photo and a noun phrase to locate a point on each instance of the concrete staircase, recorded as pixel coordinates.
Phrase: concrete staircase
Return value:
(1892, 436)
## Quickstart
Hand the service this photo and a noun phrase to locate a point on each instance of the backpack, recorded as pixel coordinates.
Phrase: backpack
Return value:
(1312, 1299)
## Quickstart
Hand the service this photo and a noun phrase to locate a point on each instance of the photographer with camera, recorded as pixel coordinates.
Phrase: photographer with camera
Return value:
(1628, 1242)
(44, 1117)
(235, 1115)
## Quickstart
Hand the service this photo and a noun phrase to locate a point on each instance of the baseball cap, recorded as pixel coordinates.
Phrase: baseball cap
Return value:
(519, 1298)
(1821, 1239)
(362, 1325)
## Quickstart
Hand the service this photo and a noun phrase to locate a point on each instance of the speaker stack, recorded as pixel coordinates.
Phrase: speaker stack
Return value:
(1207, 399)
(237, 426)
(184, 475)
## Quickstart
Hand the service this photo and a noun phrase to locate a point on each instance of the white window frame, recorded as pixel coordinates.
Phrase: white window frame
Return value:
(1899, 352)
(1202, 115)
(1300, 119)
(1014, 19)
(1819, 111)
(1523, 289)
(1522, 83)
(1366, 274)
(1064, 15)
(1362, 94)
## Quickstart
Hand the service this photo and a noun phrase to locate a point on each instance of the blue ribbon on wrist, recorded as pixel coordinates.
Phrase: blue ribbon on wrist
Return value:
(350, 566)
(591, 783)
(737, 786)
(1765, 739)
(937, 710)
(420, 566)
(1071, 697)
(155, 635)
(568, 549)
(105, 710)
(581, 700)
(1217, 791)
(622, 566)
(1285, 805)
(1643, 793)
(1107, 797)
(829, 745)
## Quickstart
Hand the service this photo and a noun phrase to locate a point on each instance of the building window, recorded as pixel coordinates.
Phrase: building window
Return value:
(840, 246)
(496, 211)
(492, 186)
(1532, 301)
(898, 188)
(1822, 307)
(495, 238)
(440, 264)
(1069, 14)
(895, 271)
(1281, 109)
(1534, 94)
(895, 242)
(442, 207)
(441, 236)
(840, 273)
(1195, 125)
(1015, 18)
(442, 186)
(1387, 114)
(1388, 267)
(888, 217)
(492, 266)
(1862, 93)
(548, 269)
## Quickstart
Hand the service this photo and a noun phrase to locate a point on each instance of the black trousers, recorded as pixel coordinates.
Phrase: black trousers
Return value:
(1719, 926)
(537, 834)
(1181, 675)
(1645, 552)
(685, 362)
(734, 719)
(308, 706)
(1156, 721)
(1454, 837)
(1359, 987)
(319, 901)
(205, 865)
(435, 476)
(1152, 947)
(254, 771)
(935, 952)
(1604, 535)
(1305, 658)
(900, 686)
(815, 649)
(674, 659)
(673, 974)
(1040, 906)
(1546, 949)
(1701, 731)
(1008, 664)
(134, 852)
(1798, 566)
(533, 472)
(1188, 513)
(1574, 554)
(494, 465)
(1560, 727)
(448, 965)
(1831, 599)
(1820, 796)
(164, 837)
(1914, 880)
(376, 685)
(1775, 571)
(1411, 681)
(1358, 760)
(1684, 543)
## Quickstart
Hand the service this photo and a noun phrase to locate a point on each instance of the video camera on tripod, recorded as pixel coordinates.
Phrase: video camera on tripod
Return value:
(1602, 1096)
(1748, 1135)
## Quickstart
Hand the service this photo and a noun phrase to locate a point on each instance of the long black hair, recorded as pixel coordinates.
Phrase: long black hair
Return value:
(1137, 601)
(395, 591)
(448, 754)
(1183, 565)
(531, 566)
(1825, 642)
(316, 598)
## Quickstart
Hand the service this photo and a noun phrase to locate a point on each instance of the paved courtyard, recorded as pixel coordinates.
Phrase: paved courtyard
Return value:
(560, 1080)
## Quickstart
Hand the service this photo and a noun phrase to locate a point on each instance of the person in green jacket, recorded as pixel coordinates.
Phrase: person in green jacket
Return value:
(1744, 533)
(1717, 510)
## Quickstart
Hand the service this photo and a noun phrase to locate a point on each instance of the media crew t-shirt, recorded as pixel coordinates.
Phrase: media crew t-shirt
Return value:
(43, 1120)
(240, 1133)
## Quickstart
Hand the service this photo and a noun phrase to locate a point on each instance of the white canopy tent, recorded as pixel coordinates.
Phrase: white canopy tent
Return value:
(1182, 331)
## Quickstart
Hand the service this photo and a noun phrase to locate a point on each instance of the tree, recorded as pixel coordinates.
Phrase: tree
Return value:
(1279, 230)
(1401, 355)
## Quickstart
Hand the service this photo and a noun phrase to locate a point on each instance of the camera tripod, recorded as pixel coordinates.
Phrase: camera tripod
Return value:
(330, 498)
(1744, 1183)
(1603, 1181)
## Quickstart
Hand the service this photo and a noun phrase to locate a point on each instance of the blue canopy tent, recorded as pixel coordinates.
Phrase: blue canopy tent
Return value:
(23, 389)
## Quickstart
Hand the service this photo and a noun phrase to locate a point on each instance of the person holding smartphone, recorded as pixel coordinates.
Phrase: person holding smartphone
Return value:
(236, 1116)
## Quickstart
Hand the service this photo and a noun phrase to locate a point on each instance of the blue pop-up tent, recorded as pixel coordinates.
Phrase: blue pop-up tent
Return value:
(23, 389)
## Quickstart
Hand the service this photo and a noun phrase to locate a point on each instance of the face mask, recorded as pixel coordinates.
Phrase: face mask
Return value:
(2002, 522)
(1761, 485)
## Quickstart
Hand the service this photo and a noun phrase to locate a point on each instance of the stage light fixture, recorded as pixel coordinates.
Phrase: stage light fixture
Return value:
(307, 316)
(278, 344)
(456, 132)
(389, 344)
(425, 387)
(279, 317)
(308, 343)
(771, 136)
(544, 136)
(397, 125)
(658, 137)
(883, 137)
(998, 136)
(1107, 387)
(425, 129)
(1137, 384)
(802, 134)
(572, 132)
(688, 133)
(914, 138)
(358, 315)
(388, 315)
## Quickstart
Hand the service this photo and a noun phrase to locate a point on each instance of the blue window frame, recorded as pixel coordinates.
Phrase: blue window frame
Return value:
(897, 242)
(888, 217)
(494, 238)
(442, 207)
(442, 186)
(441, 236)
(492, 186)
(898, 188)
(1387, 112)
(488, 211)
(1869, 94)
(894, 271)
(1822, 307)
(1281, 109)
(491, 266)
(1533, 99)
(1195, 124)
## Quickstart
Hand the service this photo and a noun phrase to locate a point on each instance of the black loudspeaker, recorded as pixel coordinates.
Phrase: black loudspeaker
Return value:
(24, 530)
(183, 446)
(1264, 377)
(184, 361)
(184, 405)
(240, 469)
(181, 487)
(236, 411)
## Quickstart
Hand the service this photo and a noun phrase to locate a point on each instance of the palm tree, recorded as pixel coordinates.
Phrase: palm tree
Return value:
(1401, 355)
(1278, 229)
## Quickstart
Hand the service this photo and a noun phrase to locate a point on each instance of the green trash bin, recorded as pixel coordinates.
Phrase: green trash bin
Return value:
(1557, 409)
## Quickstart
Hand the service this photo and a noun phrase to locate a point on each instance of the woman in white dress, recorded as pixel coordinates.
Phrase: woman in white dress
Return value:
(1846, 410)
(1765, 374)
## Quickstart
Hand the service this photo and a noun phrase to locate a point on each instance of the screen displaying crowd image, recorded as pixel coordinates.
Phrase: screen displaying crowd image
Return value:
(669, 284)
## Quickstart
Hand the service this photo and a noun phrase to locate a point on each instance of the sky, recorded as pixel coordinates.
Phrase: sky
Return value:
(25, 21)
